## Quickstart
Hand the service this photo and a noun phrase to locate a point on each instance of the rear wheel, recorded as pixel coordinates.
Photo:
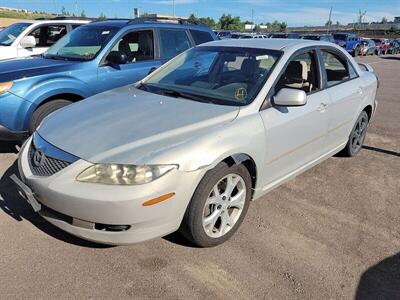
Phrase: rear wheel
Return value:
(218, 205)
(44, 110)
(356, 52)
(357, 136)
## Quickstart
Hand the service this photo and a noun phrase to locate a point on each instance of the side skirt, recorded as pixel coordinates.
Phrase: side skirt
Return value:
(264, 190)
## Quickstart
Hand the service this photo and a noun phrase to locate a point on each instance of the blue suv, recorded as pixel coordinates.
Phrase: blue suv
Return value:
(91, 59)
(348, 41)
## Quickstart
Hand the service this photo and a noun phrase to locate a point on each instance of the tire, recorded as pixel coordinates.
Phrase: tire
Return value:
(356, 52)
(44, 110)
(197, 225)
(357, 136)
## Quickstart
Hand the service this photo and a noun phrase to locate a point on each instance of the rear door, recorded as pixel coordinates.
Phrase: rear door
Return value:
(295, 135)
(345, 90)
(140, 47)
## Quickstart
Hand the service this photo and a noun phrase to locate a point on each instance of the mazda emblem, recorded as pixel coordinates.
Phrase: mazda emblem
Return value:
(38, 158)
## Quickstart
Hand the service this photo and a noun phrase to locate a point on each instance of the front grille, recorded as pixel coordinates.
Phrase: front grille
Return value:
(48, 165)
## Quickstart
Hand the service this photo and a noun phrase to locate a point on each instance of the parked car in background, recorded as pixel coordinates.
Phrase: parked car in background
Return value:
(223, 34)
(192, 144)
(284, 35)
(91, 59)
(367, 47)
(382, 46)
(394, 47)
(28, 38)
(319, 37)
(348, 41)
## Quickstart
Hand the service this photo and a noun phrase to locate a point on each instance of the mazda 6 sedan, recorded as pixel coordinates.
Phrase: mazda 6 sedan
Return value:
(191, 145)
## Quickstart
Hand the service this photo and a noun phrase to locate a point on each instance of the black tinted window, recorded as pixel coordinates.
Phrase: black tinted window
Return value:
(201, 37)
(173, 42)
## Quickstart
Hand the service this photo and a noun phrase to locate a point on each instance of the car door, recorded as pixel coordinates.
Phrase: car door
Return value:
(345, 92)
(45, 37)
(140, 48)
(295, 135)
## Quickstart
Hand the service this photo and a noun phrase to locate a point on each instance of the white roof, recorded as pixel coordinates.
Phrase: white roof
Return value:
(273, 44)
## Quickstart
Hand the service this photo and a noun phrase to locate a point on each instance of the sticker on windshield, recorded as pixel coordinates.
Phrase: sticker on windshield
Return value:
(105, 32)
(240, 93)
(261, 57)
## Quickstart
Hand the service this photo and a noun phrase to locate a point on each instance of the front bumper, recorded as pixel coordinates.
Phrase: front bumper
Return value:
(14, 115)
(9, 135)
(79, 208)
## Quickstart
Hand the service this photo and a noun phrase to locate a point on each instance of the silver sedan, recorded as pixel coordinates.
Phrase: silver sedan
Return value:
(193, 143)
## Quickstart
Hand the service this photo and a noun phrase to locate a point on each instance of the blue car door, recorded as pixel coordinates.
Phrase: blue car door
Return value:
(139, 48)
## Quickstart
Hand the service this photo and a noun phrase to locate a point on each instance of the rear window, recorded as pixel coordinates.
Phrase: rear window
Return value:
(201, 37)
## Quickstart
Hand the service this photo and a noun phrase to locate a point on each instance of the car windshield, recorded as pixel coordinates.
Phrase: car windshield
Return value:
(340, 37)
(9, 34)
(82, 44)
(221, 75)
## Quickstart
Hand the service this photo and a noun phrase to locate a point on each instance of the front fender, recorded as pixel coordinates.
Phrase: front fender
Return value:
(42, 90)
(244, 135)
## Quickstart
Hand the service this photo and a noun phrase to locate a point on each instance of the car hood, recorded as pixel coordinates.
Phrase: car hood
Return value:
(125, 125)
(14, 69)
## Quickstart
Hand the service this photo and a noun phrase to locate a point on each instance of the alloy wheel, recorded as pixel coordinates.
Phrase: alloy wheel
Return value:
(358, 135)
(224, 205)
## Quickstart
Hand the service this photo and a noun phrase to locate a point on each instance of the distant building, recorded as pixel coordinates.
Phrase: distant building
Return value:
(4, 8)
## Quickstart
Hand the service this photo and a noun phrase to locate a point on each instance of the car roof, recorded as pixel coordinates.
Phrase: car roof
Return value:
(272, 44)
(64, 21)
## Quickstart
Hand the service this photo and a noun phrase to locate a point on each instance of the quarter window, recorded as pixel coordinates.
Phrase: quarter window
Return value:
(173, 42)
(337, 69)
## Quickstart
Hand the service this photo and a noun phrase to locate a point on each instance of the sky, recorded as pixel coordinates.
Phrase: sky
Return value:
(294, 12)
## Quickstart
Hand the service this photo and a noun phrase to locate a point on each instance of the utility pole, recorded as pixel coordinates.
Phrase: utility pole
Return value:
(330, 20)
(173, 7)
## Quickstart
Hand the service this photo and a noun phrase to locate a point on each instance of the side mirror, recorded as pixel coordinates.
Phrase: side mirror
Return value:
(116, 58)
(28, 42)
(290, 97)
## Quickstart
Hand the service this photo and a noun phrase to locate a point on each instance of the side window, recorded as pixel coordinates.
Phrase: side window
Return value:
(200, 37)
(46, 36)
(336, 68)
(74, 26)
(301, 73)
(137, 46)
(173, 42)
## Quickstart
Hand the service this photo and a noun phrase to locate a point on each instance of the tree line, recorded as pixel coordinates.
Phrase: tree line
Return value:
(229, 22)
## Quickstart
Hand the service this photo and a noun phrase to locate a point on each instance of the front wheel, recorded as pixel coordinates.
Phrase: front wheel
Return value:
(44, 110)
(218, 205)
(357, 136)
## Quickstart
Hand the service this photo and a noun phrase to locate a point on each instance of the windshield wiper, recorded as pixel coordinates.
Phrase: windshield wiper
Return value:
(176, 94)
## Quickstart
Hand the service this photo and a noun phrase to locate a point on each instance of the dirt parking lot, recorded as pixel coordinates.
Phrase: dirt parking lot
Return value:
(333, 232)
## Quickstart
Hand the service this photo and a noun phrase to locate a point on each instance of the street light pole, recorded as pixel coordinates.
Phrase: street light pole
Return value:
(173, 7)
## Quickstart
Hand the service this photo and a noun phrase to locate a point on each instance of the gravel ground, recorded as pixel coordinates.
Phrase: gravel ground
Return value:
(333, 232)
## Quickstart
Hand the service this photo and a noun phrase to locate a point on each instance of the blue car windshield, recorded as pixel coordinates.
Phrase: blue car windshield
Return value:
(340, 37)
(83, 43)
(221, 75)
(9, 34)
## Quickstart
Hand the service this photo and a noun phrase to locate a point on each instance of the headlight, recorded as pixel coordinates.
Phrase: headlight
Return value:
(5, 87)
(123, 174)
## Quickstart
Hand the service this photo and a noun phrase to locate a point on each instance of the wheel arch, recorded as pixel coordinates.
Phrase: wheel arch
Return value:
(248, 162)
(368, 110)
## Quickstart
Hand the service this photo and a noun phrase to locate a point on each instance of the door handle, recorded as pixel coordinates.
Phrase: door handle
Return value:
(322, 107)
